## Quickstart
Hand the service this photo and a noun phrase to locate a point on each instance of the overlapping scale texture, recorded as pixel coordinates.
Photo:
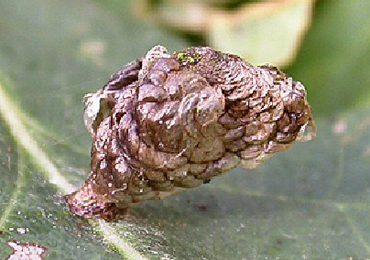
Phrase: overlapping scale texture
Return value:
(166, 123)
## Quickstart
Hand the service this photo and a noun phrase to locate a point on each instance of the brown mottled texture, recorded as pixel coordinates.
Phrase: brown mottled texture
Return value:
(166, 123)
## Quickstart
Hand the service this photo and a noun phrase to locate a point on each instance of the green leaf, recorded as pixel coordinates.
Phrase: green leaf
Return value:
(51, 54)
(311, 202)
(31, 211)
(260, 31)
(334, 60)
(267, 32)
(308, 203)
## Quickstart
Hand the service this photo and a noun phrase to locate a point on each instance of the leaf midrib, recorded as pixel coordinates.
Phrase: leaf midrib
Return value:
(13, 117)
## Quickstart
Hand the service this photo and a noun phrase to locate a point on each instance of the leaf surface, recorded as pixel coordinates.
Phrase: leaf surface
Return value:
(334, 58)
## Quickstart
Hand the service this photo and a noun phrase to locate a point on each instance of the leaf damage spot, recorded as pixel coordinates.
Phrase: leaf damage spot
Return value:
(339, 127)
(26, 251)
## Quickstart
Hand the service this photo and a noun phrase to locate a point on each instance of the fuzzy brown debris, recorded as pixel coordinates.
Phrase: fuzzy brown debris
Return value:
(166, 123)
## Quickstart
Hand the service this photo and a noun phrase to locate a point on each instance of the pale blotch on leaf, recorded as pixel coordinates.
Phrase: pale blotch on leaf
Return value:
(93, 50)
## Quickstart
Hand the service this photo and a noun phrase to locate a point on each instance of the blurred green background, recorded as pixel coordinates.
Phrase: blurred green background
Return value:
(311, 202)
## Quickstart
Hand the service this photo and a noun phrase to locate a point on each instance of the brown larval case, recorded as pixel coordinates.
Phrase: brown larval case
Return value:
(167, 123)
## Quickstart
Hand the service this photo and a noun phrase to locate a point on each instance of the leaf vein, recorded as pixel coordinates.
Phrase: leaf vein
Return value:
(13, 117)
